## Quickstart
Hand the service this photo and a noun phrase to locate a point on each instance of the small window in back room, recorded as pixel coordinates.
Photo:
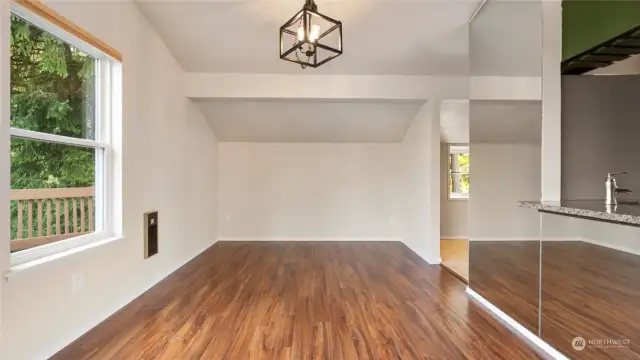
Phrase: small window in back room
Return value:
(458, 172)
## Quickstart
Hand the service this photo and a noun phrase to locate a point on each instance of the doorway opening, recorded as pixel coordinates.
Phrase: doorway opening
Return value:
(454, 242)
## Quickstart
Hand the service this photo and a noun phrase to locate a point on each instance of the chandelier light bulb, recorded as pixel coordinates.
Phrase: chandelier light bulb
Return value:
(300, 33)
(314, 33)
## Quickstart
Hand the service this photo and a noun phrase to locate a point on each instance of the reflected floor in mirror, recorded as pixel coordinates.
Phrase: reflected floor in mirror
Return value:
(586, 291)
(593, 292)
(505, 273)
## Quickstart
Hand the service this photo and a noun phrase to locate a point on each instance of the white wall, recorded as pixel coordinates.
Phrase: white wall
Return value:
(505, 88)
(5, 162)
(322, 191)
(454, 214)
(502, 175)
(421, 181)
(169, 164)
(309, 191)
(614, 236)
(551, 101)
(328, 86)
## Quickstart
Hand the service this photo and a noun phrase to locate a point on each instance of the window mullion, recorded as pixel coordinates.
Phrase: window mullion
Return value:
(53, 138)
(103, 134)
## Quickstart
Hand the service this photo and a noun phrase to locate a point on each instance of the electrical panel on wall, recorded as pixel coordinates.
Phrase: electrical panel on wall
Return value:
(150, 234)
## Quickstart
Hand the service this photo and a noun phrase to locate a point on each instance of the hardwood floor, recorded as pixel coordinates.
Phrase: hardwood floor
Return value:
(455, 257)
(584, 290)
(343, 301)
(506, 273)
(591, 291)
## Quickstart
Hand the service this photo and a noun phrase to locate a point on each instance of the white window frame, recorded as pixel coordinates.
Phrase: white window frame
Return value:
(455, 149)
(103, 185)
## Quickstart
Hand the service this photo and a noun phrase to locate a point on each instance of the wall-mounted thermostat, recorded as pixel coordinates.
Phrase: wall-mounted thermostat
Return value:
(150, 234)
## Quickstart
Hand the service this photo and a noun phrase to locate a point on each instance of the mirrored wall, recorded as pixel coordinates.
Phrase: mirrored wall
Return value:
(505, 149)
(503, 237)
(571, 281)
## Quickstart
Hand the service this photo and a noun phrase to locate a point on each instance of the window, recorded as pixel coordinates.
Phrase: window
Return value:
(458, 172)
(60, 139)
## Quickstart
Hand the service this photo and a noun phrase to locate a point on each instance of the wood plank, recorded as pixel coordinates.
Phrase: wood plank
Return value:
(29, 219)
(57, 216)
(66, 216)
(90, 214)
(39, 215)
(74, 213)
(506, 273)
(81, 214)
(48, 217)
(56, 193)
(302, 300)
(50, 15)
(590, 291)
(20, 233)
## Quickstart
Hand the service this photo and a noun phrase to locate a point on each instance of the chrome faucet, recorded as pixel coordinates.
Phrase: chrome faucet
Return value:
(611, 189)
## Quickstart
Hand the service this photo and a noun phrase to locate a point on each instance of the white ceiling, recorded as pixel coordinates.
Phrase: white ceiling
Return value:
(380, 36)
(296, 120)
(506, 39)
(505, 122)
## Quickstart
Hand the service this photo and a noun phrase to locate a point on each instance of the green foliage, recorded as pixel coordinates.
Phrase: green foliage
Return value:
(52, 91)
(463, 163)
(460, 173)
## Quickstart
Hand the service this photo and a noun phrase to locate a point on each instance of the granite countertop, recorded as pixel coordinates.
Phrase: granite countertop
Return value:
(624, 214)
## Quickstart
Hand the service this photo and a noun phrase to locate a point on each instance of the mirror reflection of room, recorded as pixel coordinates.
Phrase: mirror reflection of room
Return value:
(590, 259)
(505, 144)
(554, 221)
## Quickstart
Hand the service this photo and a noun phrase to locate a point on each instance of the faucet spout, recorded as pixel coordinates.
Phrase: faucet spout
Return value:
(611, 189)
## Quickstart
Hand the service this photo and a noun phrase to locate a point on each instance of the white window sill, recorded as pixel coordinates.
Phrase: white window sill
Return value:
(459, 197)
(17, 269)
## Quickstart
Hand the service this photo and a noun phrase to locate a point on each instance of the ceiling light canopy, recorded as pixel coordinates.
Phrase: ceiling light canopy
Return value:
(310, 38)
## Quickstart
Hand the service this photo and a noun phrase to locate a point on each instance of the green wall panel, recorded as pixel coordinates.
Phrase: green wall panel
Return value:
(587, 23)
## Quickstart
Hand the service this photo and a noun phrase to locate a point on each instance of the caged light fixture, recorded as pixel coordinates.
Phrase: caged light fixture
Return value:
(310, 38)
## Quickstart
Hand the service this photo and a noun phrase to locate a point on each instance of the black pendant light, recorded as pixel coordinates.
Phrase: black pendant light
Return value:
(310, 38)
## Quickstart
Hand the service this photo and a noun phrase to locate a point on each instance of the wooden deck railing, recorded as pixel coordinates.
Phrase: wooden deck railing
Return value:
(59, 214)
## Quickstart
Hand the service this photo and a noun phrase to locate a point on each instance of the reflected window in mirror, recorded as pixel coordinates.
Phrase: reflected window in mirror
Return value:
(458, 172)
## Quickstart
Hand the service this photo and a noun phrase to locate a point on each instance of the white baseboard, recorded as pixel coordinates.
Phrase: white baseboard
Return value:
(611, 246)
(606, 244)
(552, 238)
(504, 239)
(306, 238)
(531, 337)
(428, 259)
(443, 237)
